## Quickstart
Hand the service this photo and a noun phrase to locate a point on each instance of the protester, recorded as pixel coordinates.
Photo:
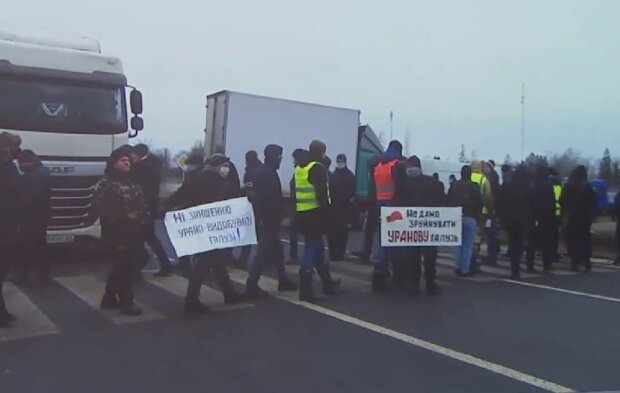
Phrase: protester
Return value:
(417, 190)
(121, 208)
(311, 193)
(35, 188)
(541, 230)
(146, 172)
(488, 210)
(9, 217)
(251, 162)
(515, 212)
(491, 227)
(386, 175)
(452, 179)
(208, 186)
(264, 184)
(507, 172)
(556, 182)
(578, 202)
(466, 195)
(293, 230)
(436, 177)
(342, 189)
(372, 212)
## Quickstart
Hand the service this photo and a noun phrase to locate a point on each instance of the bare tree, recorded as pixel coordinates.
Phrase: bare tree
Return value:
(462, 157)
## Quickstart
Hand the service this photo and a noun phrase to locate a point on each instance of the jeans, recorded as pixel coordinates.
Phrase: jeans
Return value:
(314, 253)
(516, 237)
(244, 257)
(269, 251)
(463, 253)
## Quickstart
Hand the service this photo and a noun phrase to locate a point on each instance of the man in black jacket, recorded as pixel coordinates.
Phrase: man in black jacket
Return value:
(541, 231)
(342, 189)
(208, 186)
(466, 195)
(9, 218)
(146, 172)
(418, 190)
(35, 188)
(266, 189)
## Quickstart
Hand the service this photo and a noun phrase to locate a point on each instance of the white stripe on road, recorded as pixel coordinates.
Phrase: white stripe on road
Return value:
(562, 290)
(177, 286)
(272, 285)
(90, 289)
(31, 321)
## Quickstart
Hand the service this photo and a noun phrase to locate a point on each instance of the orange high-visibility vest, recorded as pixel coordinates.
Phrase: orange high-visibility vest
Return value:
(384, 181)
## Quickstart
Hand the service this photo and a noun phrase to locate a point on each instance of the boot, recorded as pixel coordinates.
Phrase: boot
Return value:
(110, 302)
(233, 297)
(329, 284)
(131, 309)
(195, 307)
(379, 282)
(433, 289)
(286, 285)
(256, 293)
(163, 272)
(305, 287)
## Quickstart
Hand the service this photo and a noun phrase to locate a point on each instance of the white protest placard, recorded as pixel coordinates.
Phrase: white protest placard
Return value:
(211, 226)
(420, 226)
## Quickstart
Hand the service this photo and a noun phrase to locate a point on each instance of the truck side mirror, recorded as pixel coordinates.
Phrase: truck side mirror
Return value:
(135, 101)
(137, 123)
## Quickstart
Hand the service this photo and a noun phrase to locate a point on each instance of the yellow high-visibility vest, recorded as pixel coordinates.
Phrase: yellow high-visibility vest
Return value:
(480, 180)
(305, 194)
(557, 191)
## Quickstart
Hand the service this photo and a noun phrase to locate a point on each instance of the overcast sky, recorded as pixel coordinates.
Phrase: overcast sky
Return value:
(450, 70)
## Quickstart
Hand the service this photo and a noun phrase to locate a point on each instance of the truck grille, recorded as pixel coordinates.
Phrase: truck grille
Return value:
(71, 202)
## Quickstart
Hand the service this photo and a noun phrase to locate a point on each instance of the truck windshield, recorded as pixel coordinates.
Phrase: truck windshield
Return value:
(61, 106)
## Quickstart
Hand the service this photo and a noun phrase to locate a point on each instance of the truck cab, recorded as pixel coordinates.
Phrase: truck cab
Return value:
(67, 102)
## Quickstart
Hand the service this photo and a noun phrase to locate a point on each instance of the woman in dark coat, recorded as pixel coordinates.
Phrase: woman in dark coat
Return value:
(121, 208)
(578, 202)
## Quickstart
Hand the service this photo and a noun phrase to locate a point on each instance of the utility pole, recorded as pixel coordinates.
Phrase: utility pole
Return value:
(391, 126)
(522, 122)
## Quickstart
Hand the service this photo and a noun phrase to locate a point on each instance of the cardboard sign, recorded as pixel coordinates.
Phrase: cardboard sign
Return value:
(211, 226)
(420, 226)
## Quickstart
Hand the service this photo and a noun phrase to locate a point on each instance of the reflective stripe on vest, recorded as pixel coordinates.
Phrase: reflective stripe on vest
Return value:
(480, 180)
(557, 191)
(384, 181)
(305, 193)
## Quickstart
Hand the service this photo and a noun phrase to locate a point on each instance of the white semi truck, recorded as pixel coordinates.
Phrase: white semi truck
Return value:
(67, 101)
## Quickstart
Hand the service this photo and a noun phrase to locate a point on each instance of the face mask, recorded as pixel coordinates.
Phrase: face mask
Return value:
(341, 165)
(413, 172)
(224, 171)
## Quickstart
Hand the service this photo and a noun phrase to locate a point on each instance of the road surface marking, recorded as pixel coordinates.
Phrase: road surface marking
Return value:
(568, 291)
(177, 285)
(271, 284)
(90, 290)
(31, 321)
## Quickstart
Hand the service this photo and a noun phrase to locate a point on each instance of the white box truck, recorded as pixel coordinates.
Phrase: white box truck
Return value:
(239, 122)
(67, 102)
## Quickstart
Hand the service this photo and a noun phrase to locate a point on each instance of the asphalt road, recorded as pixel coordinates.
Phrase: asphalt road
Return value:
(486, 334)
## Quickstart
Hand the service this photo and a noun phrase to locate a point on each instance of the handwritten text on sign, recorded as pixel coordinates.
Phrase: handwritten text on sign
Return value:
(420, 226)
(211, 226)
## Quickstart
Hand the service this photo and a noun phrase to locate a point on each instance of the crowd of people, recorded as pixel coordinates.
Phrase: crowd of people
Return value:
(529, 203)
